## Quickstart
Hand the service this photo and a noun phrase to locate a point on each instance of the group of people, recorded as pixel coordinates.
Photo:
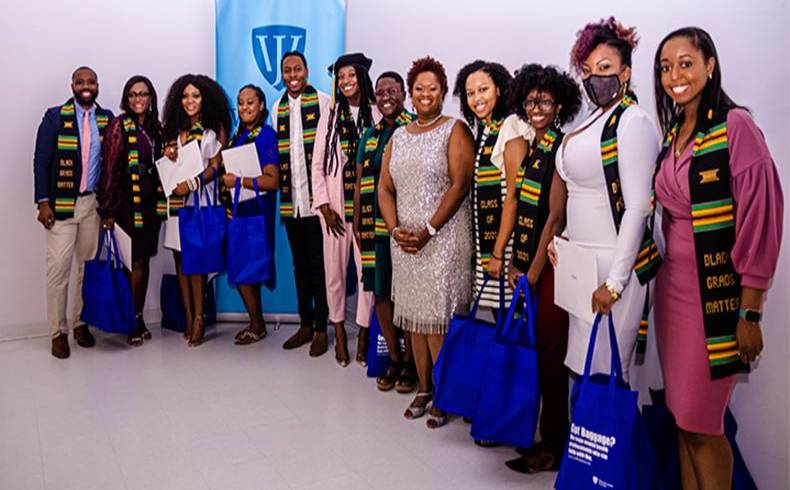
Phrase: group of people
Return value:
(429, 207)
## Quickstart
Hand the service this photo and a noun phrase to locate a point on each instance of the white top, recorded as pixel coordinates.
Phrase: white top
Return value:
(590, 225)
(580, 165)
(299, 180)
(513, 127)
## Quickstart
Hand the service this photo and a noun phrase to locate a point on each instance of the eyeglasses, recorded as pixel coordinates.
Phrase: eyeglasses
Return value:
(392, 92)
(139, 95)
(542, 104)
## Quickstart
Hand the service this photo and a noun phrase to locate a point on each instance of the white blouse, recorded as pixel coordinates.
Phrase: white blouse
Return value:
(580, 165)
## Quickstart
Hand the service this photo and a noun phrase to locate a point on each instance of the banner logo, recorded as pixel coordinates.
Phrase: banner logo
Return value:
(268, 45)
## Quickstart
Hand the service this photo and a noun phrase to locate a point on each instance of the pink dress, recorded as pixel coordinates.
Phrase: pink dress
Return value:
(697, 401)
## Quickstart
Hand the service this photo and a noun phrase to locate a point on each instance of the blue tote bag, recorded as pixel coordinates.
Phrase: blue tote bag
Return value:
(378, 353)
(607, 445)
(202, 230)
(107, 300)
(458, 371)
(509, 397)
(250, 247)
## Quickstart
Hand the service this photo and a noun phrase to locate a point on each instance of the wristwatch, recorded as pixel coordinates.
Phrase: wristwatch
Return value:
(750, 315)
(612, 291)
(431, 230)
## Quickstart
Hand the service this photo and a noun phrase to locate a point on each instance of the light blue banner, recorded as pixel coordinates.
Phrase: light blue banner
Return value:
(252, 35)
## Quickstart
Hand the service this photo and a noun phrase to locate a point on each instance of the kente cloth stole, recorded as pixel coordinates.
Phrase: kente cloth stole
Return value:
(311, 113)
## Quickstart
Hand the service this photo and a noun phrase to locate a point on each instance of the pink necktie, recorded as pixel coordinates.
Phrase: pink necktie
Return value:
(85, 143)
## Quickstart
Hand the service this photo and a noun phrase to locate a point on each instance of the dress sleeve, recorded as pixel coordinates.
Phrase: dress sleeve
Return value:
(513, 127)
(318, 177)
(759, 202)
(210, 146)
(266, 144)
(110, 192)
(638, 146)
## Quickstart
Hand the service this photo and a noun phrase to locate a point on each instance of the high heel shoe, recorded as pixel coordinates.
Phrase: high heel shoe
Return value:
(196, 336)
(341, 347)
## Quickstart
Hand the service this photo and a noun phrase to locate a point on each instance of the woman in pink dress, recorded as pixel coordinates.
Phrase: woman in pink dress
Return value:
(722, 219)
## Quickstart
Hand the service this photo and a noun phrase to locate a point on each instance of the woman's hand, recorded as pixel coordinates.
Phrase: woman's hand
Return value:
(513, 276)
(494, 267)
(334, 222)
(229, 180)
(181, 189)
(750, 340)
(413, 242)
(401, 237)
(171, 151)
(552, 253)
(108, 223)
(602, 300)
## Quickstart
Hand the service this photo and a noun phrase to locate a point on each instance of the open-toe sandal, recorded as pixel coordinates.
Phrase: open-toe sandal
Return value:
(436, 421)
(387, 381)
(250, 336)
(415, 412)
(241, 333)
(407, 381)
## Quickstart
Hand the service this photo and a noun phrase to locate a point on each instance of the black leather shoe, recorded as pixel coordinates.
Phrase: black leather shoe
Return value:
(302, 336)
(60, 346)
(83, 336)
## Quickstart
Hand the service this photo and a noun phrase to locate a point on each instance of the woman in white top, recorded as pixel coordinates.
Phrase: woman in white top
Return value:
(196, 109)
(602, 55)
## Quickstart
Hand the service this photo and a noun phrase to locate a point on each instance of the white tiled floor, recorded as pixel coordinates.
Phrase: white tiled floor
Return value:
(221, 417)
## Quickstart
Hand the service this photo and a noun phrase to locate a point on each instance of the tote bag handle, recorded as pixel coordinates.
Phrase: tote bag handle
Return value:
(616, 367)
(522, 330)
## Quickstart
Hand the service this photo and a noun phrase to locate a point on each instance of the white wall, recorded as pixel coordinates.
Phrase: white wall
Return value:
(752, 40)
(42, 43)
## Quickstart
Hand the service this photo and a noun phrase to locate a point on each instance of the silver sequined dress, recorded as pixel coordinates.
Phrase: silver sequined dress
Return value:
(431, 286)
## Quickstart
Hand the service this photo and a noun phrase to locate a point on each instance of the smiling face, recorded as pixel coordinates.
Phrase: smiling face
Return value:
(684, 70)
(426, 94)
(347, 81)
(85, 87)
(139, 98)
(541, 109)
(605, 60)
(250, 107)
(191, 101)
(389, 97)
(294, 75)
(481, 94)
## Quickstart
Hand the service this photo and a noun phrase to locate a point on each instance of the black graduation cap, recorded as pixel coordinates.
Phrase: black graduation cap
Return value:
(349, 60)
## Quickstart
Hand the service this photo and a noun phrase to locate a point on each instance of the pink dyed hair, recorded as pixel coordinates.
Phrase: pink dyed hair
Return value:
(586, 37)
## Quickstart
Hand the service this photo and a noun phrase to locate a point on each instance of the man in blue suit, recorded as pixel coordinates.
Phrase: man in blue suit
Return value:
(66, 168)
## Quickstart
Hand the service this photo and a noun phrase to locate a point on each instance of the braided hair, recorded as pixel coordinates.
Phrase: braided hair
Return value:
(339, 123)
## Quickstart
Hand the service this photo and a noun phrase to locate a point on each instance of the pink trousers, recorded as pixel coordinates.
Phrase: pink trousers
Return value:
(336, 254)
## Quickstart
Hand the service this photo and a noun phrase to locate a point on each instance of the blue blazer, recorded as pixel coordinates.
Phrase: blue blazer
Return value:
(45, 167)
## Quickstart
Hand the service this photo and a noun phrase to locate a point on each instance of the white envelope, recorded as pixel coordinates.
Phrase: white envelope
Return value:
(124, 242)
(187, 166)
(242, 161)
(575, 279)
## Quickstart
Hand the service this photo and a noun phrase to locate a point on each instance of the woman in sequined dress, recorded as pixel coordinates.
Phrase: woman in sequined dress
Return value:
(425, 178)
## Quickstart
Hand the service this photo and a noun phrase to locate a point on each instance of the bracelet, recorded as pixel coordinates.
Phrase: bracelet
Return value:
(501, 259)
(615, 294)
(191, 185)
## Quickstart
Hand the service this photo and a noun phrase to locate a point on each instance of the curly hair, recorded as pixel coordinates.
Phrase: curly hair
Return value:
(549, 79)
(151, 125)
(364, 119)
(215, 111)
(502, 79)
(606, 31)
(422, 65)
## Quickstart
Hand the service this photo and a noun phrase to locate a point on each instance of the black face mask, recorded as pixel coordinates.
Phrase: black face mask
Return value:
(602, 89)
